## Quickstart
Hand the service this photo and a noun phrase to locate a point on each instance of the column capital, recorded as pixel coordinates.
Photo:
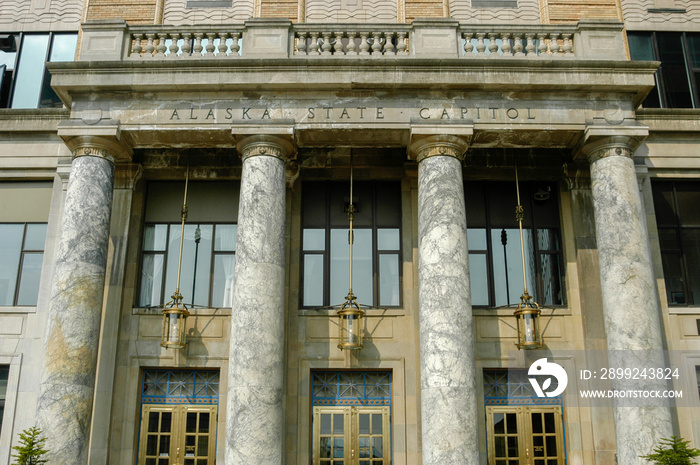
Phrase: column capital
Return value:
(265, 145)
(103, 139)
(609, 141)
(438, 145)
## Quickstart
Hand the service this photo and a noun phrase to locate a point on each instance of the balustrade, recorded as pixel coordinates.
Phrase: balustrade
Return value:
(358, 42)
(540, 43)
(186, 43)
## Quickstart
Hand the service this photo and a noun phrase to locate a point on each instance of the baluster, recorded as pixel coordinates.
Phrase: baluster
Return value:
(505, 45)
(301, 44)
(149, 46)
(198, 36)
(364, 46)
(493, 45)
(314, 44)
(376, 44)
(389, 48)
(235, 46)
(136, 50)
(468, 46)
(518, 44)
(554, 44)
(210, 44)
(401, 47)
(186, 45)
(480, 46)
(568, 46)
(161, 48)
(223, 48)
(541, 45)
(174, 47)
(338, 49)
(352, 46)
(326, 46)
(530, 45)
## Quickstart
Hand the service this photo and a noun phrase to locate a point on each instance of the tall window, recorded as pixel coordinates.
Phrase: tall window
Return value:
(376, 248)
(209, 244)
(678, 221)
(22, 253)
(678, 77)
(24, 80)
(495, 263)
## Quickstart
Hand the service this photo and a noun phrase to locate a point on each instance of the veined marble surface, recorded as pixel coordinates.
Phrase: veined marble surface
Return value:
(630, 302)
(72, 336)
(255, 420)
(448, 387)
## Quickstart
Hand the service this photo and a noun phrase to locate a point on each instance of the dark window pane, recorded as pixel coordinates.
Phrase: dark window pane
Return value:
(191, 422)
(166, 422)
(537, 423)
(673, 70)
(164, 447)
(499, 423)
(338, 424)
(30, 71)
(152, 445)
(668, 239)
(204, 422)
(691, 247)
(641, 46)
(62, 49)
(673, 277)
(377, 447)
(512, 446)
(377, 423)
(538, 445)
(694, 49)
(664, 208)
(325, 448)
(500, 446)
(549, 426)
(551, 446)
(325, 423)
(364, 424)
(203, 446)
(688, 198)
(512, 423)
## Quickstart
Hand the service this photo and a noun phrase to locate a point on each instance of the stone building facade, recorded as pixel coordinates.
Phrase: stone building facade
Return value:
(269, 111)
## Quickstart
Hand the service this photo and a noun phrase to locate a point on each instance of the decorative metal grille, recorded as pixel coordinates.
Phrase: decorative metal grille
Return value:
(513, 387)
(351, 387)
(180, 387)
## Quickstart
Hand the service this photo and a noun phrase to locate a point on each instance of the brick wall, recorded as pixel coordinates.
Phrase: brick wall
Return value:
(279, 9)
(567, 11)
(133, 11)
(424, 9)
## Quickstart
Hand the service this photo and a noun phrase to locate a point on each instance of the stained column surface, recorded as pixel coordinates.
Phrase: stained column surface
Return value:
(630, 302)
(448, 389)
(255, 419)
(75, 308)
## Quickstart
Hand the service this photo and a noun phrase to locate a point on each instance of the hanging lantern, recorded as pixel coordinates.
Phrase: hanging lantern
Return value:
(527, 316)
(174, 312)
(350, 325)
(174, 318)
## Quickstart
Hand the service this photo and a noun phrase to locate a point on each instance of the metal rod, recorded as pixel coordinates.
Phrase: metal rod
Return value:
(519, 214)
(351, 217)
(183, 216)
(504, 241)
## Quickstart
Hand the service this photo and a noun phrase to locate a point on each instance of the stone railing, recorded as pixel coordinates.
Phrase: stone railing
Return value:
(270, 38)
(351, 40)
(184, 42)
(517, 41)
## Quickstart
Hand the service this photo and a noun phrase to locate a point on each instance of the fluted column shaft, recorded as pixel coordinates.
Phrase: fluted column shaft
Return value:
(75, 308)
(448, 387)
(255, 418)
(630, 302)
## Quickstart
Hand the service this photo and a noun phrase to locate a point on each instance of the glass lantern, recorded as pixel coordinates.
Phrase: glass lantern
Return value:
(174, 318)
(527, 316)
(350, 325)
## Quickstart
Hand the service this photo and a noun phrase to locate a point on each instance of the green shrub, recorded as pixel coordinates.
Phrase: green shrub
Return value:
(31, 447)
(672, 451)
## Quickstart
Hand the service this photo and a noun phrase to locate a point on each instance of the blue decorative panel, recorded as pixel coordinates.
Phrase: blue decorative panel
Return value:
(513, 387)
(351, 388)
(180, 387)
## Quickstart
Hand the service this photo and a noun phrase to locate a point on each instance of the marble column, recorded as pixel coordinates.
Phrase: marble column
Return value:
(255, 416)
(630, 302)
(448, 387)
(67, 384)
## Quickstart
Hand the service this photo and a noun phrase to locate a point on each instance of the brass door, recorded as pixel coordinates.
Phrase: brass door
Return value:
(525, 436)
(351, 436)
(178, 435)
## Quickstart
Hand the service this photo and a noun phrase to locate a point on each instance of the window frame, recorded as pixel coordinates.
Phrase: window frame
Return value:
(164, 298)
(538, 253)
(20, 264)
(19, 42)
(328, 228)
